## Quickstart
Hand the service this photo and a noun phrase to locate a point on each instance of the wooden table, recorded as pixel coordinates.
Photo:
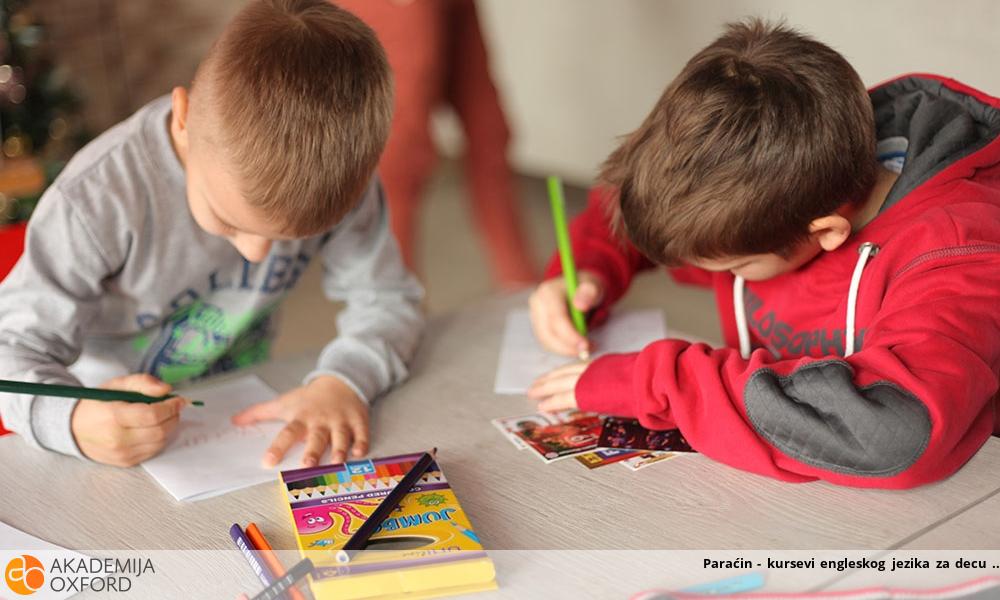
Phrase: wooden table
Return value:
(561, 515)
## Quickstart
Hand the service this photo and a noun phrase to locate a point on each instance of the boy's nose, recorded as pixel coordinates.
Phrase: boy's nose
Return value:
(254, 248)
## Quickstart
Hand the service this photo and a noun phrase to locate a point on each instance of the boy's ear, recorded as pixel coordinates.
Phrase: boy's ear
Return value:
(830, 232)
(179, 118)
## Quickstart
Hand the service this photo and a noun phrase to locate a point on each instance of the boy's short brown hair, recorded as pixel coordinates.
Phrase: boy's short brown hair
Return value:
(762, 132)
(300, 97)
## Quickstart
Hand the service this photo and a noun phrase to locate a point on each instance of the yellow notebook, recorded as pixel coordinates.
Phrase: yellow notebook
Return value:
(426, 548)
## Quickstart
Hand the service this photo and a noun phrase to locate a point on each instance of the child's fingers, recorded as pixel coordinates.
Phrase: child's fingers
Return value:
(552, 387)
(542, 380)
(341, 441)
(557, 333)
(126, 457)
(360, 431)
(551, 341)
(561, 380)
(574, 370)
(139, 436)
(143, 453)
(132, 415)
(317, 440)
(144, 383)
(551, 321)
(264, 411)
(587, 296)
(558, 402)
(547, 292)
(567, 337)
(286, 438)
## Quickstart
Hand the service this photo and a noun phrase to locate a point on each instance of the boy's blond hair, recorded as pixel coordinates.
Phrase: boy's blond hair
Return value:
(298, 98)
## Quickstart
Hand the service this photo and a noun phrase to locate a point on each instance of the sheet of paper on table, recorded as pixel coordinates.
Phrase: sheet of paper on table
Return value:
(522, 359)
(209, 455)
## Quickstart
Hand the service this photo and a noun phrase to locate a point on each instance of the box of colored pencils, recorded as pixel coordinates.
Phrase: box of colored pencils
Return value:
(426, 548)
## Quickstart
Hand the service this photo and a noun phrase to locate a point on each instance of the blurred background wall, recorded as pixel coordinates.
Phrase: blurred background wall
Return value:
(574, 74)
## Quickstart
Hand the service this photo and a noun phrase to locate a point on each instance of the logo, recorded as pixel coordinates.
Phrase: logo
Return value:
(429, 500)
(25, 575)
(74, 573)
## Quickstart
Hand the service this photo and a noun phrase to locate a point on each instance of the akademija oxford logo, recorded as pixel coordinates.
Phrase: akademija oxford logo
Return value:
(25, 575)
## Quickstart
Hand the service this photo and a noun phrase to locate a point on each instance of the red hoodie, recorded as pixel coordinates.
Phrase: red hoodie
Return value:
(917, 397)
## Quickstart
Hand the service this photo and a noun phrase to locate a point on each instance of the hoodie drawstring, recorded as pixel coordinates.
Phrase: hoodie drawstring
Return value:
(741, 318)
(865, 251)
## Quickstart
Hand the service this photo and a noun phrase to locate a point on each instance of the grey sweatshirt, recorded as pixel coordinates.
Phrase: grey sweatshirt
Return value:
(118, 278)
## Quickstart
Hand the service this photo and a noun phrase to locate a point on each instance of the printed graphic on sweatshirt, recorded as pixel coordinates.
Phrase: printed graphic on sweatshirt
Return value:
(784, 341)
(200, 339)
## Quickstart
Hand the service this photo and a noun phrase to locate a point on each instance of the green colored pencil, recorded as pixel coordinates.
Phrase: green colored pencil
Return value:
(72, 391)
(565, 250)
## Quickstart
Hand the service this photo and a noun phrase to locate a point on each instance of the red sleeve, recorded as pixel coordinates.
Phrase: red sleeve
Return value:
(596, 248)
(908, 409)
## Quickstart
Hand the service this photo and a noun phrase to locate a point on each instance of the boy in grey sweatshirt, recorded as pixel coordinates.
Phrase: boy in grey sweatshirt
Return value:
(163, 250)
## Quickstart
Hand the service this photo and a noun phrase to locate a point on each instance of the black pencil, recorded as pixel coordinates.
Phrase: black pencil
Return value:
(360, 538)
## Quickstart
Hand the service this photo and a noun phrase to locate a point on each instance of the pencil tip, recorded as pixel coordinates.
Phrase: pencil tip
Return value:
(197, 403)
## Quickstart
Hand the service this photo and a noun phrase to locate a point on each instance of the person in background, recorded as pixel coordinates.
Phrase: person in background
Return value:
(437, 54)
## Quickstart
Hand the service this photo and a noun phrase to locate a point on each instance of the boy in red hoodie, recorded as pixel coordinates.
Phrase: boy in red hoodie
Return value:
(853, 242)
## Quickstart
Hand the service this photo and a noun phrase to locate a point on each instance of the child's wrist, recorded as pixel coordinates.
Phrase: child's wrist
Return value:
(333, 386)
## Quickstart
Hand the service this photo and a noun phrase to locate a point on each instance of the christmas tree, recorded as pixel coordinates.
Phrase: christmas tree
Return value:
(40, 124)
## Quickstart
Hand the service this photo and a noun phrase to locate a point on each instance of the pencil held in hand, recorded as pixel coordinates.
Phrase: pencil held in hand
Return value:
(85, 393)
(558, 205)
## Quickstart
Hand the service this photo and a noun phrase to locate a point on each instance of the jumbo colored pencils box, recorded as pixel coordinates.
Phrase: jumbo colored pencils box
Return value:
(426, 548)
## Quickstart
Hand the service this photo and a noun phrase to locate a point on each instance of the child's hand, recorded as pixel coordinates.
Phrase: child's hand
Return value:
(556, 390)
(124, 434)
(550, 316)
(325, 413)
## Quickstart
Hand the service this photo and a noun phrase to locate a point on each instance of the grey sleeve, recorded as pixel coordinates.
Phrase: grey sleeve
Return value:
(381, 323)
(45, 301)
(818, 415)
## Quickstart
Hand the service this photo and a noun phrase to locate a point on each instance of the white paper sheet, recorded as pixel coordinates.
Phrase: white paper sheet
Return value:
(522, 359)
(14, 544)
(209, 455)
